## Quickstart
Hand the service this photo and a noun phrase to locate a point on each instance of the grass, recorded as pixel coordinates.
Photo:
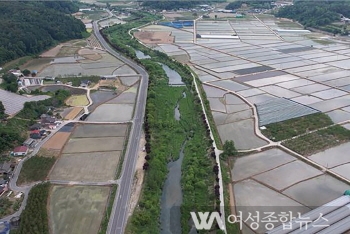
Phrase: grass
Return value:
(35, 169)
(294, 127)
(15, 63)
(318, 141)
(77, 100)
(122, 154)
(105, 220)
(67, 51)
(225, 172)
(9, 206)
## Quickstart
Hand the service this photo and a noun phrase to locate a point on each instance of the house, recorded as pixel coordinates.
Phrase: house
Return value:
(47, 119)
(20, 151)
(2, 181)
(35, 136)
(35, 126)
(85, 83)
(5, 168)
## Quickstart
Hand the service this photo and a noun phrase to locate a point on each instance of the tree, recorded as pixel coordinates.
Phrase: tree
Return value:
(26, 72)
(229, 150)
(2, 111)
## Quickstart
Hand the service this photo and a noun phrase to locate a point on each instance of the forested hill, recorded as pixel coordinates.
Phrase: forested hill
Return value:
(31, 27)
(316, 13)
(175, 5)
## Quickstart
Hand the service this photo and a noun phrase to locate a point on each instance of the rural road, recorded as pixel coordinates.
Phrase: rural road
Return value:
(119, 213)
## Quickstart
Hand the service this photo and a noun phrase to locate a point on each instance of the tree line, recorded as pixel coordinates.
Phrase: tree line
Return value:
(34, 218)
(28, 28)
(261, 4)
(33, 110)
(175, 5)
(317, 14)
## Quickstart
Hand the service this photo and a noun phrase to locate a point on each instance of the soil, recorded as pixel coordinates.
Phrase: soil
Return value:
(57, 141)
(139, 176)
(73, 113)
(52, 52)
(149, 37)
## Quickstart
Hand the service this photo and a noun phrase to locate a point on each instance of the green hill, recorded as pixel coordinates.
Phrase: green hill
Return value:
(28, 28)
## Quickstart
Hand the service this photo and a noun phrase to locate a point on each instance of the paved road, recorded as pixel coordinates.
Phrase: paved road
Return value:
(119, 213)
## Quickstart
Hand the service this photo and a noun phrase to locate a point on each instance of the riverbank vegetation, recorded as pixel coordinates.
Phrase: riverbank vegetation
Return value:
(165, 135)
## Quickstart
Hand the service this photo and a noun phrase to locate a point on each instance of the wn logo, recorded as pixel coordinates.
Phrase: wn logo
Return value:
(205, 223)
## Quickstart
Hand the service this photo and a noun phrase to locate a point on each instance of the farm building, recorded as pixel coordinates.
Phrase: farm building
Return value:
(20, 151)
(28, 142)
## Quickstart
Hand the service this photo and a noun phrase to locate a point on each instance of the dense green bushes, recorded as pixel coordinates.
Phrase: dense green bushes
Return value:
(35, 169)
(33, 110)
(318, 141)
(34, 218)
(10, 82)
(294, 127)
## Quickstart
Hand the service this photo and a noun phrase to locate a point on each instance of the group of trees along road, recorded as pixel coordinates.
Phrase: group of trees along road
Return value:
(28, 28)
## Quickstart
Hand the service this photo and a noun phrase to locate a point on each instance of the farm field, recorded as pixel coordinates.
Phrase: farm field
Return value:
(77, 100)
(57, 141)
(112, 113)
(233, 118)
(99, 130)
(94, 167)
(81, 145)
(263, 181)
(77, 209)
(99, 97)
(72, 114)
(92, 153)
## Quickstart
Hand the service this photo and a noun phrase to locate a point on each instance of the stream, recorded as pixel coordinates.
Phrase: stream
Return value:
(174, 77)
(141, 55)
(170, 218)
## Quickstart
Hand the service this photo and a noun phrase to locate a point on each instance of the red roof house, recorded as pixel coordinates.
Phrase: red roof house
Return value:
(20, 151)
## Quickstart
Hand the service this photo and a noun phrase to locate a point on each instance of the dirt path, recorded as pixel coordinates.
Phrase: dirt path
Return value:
(139, 176)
